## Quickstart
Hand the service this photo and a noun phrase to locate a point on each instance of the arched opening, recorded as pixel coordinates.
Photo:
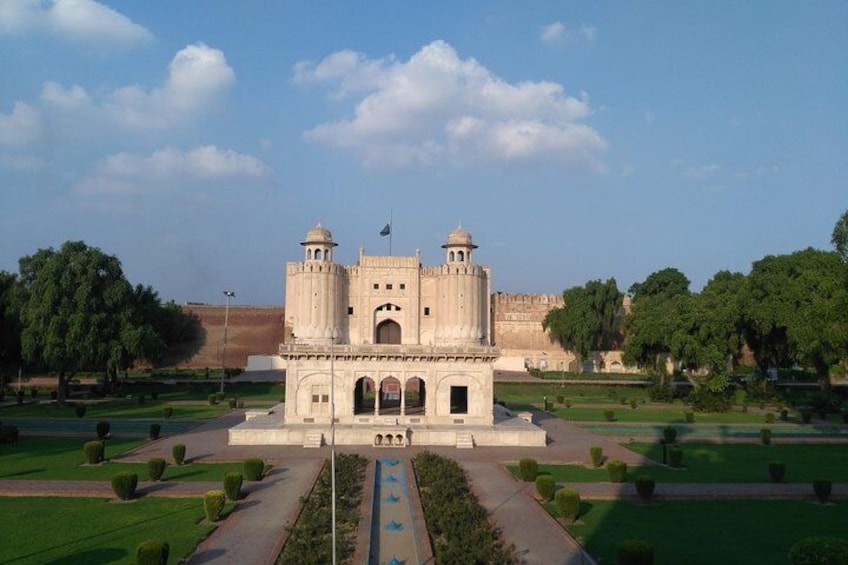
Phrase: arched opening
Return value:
(317, 254)
(388, 332)
(364, 393)
(414, 396)
(390, 396)
(460, 255)
(451, 255)
(308, 254)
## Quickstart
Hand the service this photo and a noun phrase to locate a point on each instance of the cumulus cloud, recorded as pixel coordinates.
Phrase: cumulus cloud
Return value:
(75, 20)
(21, 126)
(168, 169)
(700, 172)
(557, 32)
(436, 107)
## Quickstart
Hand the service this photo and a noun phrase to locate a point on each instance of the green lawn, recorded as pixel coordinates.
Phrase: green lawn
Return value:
(63, 459)
(67, 531)
(532, 393)
(96, 412)
(706, 532)
(652, 413)
(709, 463)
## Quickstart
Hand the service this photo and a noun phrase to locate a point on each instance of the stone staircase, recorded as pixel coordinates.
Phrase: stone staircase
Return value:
(464, 440)
(314, 438)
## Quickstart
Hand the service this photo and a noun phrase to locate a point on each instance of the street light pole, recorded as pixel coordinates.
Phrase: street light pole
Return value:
(229, 294)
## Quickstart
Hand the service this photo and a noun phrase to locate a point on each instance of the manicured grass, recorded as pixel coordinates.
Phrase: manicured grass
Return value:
(705, 532)
(532, 393)
(559, 376)
(63, 459)
(659, 413)
(115, 410)
(708, 463)
(66, 531)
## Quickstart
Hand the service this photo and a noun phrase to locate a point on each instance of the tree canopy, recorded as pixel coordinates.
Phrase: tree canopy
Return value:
(668, 282)
(839, 237)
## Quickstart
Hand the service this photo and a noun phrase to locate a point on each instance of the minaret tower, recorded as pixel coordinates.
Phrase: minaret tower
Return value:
(463, 292)
(318, 289)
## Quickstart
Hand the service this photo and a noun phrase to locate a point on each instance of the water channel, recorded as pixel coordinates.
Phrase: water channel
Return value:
(392, 530)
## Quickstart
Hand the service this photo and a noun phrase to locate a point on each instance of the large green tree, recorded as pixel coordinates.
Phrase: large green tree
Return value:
(587, 320)
(11, 298)
(668, 282)
(839, 237)
(797, 310)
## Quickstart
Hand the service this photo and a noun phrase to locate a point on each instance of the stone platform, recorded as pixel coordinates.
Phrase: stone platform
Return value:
(269, 428)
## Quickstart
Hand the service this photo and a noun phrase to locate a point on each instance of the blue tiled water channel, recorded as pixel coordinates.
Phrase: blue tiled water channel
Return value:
(718, 430)
(392, 531)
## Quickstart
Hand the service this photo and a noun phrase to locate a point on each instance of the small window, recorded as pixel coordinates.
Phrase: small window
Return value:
(388, 286)
(376, 286)
(426, 310)
(402, 286)
(350, 310)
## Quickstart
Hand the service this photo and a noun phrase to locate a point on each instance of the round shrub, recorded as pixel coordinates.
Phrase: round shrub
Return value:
(769, 417)
(79, 410)
(819, 550)
(253, 469)
(806, 416)
(103, 430)
(776, 471)
(609, 415)
(617, 471)
(670, 434)
(155, 429)
(178, 452)
(645, 486)
(213, 504)
(560, 399)
(93, 452)
(596, 452)
(232, 485)
(124, 485)
(634, 552)
(152, 552)
(156, 468)
(167, 411)
(568, 502)
(822, 488)
(634, 403)
(690, 416)
(765, 436)
(675, 457)
(232, 403)
(213, 399)
(784, 414)
(528, 468)
(240, 404)
(546, 486)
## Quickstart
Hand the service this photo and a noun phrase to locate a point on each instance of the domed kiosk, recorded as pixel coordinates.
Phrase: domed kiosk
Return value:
(403, 350)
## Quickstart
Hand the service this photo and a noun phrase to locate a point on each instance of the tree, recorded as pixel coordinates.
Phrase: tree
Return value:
(668, 282)
(839, 238)
(797, 311)
(11, 297)
(587, 319)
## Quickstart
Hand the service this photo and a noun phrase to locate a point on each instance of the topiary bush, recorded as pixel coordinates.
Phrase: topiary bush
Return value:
(213, 504)
(769, 417)
(765, 436)
(93, 452)
(79, 410)
(232, 403)
(822, 488)
(645, 486)
(546, 486)
(634, 403)
(675, 457)
(213, 399)
(103, 429)
(152, 552)
(254, 467)
(167, 411)
(156, 468)
(232, 485)
(776, 471)
(124, 485)
(596, 452)
(609, 415)
(617, 471)
(819, 550)
(568, 502)
(690, 417)
(155, 430)
(178, 452)
(806, 416)
(670, 434)
(634, 552)
(528, 469)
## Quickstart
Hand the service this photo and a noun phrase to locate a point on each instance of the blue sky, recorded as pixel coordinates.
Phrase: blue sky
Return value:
(198, 141)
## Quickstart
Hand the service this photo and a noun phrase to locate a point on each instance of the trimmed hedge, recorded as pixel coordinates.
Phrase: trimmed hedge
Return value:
(155, 430)
(254, 467)
(213, 504)
(596, 452)
(93, 452)
(776, 471)
(546, 486)
(645, 486)
(79, 409)
(156, 468)
(103, 429)
(822, 488)
(167, 411)
(124, 485)
(617, 471)
(528, 469)
(690, 417)
(178, 452)
(765, 436)
(670, 434)
(819, 550)
(232, 485)
(568, 502)
(152, 552)
(634, 552)
(609, 415)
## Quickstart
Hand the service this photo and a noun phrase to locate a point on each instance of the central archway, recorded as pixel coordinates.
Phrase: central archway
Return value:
(388, 332)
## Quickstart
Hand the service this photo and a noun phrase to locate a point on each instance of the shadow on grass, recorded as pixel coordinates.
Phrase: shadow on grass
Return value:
(182, 475)
(100, 555)
(22, 473)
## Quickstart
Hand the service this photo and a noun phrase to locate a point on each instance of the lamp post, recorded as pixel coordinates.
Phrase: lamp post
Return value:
(229, 294)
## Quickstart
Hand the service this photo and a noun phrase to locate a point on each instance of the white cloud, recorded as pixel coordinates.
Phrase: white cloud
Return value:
(437, 107)
(75, 20)
(169, 169)
(21, 126)
(700, 172)
(557, 33)
(757, 172)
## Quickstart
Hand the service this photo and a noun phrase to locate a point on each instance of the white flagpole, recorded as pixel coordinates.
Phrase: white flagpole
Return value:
(391, 232)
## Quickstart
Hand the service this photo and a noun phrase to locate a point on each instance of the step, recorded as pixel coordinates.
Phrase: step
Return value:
(464, 440)
(314, 439)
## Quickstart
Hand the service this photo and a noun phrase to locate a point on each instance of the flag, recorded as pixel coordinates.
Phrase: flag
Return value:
(386, 230)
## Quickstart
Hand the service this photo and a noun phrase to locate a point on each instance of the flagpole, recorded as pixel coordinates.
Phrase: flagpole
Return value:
(391, 232)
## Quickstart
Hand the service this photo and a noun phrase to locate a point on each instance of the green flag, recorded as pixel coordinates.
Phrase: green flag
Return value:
(386, 230)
